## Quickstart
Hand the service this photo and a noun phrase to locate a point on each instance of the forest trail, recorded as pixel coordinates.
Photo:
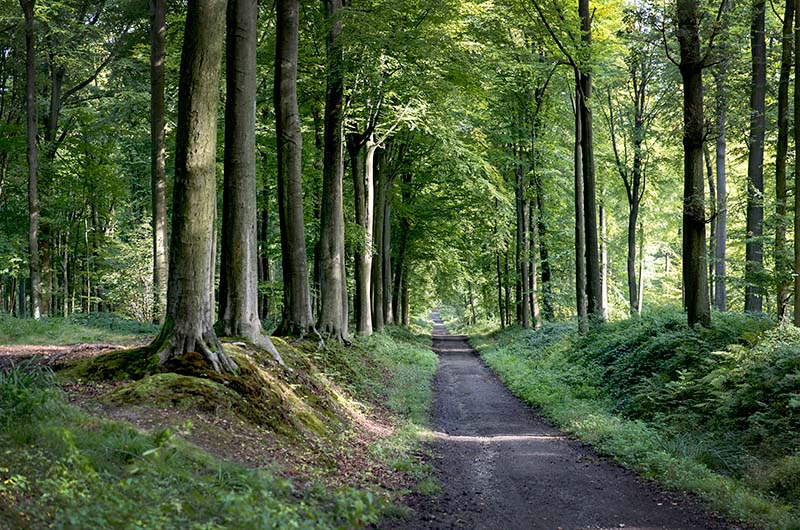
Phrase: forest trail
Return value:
(501, 467)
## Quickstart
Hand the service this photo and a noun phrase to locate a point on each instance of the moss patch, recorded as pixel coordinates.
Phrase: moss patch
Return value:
(174, 390)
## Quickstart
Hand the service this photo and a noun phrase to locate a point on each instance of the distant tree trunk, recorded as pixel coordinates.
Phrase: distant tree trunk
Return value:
(536, 316)
(296, 318)
(507, 285)
(594, 304)
(523, 291)
(603, 262)
(721, 228)
(640, 302)
(158, 31)
(264, 266)
(386, 249)
(712, 229)
(405, 301)
(544, 253)
(401, 263)
(694, 229)
(333, 317)
(580, 227)
(500, 308)
(378, 264)
(191, 263)
(33, 158)
(782, 261)
(754, 247)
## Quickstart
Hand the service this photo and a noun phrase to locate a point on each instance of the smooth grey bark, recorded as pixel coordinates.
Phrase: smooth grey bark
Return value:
(377, 263)
(536, 314)
(386, 250)
(333, 317)
(238, 290)
(721, 226)
(33, 158)
(523, 289)
(695, 274)
(580, 227)
(712, 228)
(544, 253)
(362, 153)
(191, 263)
(296, 318)
(754, 247)
(782, 260)
(158, 30)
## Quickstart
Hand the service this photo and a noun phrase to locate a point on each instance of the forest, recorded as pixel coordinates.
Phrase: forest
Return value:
(226, 224)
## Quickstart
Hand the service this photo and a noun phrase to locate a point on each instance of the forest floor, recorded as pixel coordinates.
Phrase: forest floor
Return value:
(500, 465)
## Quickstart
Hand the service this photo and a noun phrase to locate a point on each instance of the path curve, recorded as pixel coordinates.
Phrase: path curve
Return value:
(501, 467)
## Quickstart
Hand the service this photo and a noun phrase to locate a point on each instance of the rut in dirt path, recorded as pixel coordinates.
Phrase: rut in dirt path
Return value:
(501, 467)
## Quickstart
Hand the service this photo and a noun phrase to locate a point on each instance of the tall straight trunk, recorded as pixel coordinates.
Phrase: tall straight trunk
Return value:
(721, 228)
(695, 274)
(544, 253)
(378, 263)
(401, 263)
(362, 168)
(333, 317)
(499, 273)
(754, 247)
(536, 315)
(603, 262)
(386, 249)
(507, 285)
(405, 301)
(158, 32)
(580, 227)
(640, 301)
(594, 304)
(264, 266)
(523, 300)
(191, 261)
(33, 158)
(712, 228)
(782, 262)
(296, 318)
(238, 290)
(797, 173)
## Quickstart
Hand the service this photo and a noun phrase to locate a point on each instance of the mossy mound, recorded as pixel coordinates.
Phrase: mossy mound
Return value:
(182, 392)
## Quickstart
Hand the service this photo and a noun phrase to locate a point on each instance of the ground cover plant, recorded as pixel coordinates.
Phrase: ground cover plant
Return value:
(72, 467)
(714, 411)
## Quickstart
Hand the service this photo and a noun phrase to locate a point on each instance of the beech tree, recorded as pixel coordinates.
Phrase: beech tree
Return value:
(158, 31)
(782, 259)
(189, 325)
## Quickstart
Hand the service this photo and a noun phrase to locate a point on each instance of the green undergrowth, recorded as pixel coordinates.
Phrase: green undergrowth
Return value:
(64, 468)
(712, 411)
(95, 327)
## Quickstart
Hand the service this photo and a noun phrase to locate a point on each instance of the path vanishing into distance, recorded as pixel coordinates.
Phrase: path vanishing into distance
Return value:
(501, 467)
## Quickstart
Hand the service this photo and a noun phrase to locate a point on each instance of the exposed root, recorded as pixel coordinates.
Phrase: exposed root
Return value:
(190, 339)
(263, 342)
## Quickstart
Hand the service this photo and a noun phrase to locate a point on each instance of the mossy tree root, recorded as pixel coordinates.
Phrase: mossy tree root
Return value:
(193, 337)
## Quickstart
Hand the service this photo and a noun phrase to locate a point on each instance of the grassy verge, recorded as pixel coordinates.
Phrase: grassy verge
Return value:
(62, 467)
(713, 412)
(100, 327)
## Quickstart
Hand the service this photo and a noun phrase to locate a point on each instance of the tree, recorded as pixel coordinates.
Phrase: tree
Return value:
(190, 308)
(238, 290)
(782, 260)
(158, 30)
(333, 317)
(33, 157)
(692, 63)
(297, 318)
(754, 247)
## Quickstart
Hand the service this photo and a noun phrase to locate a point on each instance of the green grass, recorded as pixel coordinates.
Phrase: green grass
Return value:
(99, 327)
(63, 468)
(713, 411)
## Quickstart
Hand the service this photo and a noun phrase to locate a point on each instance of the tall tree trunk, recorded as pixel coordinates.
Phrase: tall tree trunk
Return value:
(238, 290)
(594, 305)
(191, 260)
(797, 173)
(640, 302)
(603, 262)
(754, 247)
(405, 301)
(33, 158)
(296, 318)
(782, 260)
(544, 253)
(712, 228)
(721, 228)
(386, 249)
(362, 169)
(507, 284)
(523, 292)
(580, 227)
(694, 229)
(536, 316)
(378, 263)
(158, 31)
(333, 317)
(264, 266)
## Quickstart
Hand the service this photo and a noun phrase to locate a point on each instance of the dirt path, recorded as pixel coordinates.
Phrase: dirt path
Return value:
(502, 467)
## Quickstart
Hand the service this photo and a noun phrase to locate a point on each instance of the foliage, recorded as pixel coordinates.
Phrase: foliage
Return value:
(712, 411)
(94, 327)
